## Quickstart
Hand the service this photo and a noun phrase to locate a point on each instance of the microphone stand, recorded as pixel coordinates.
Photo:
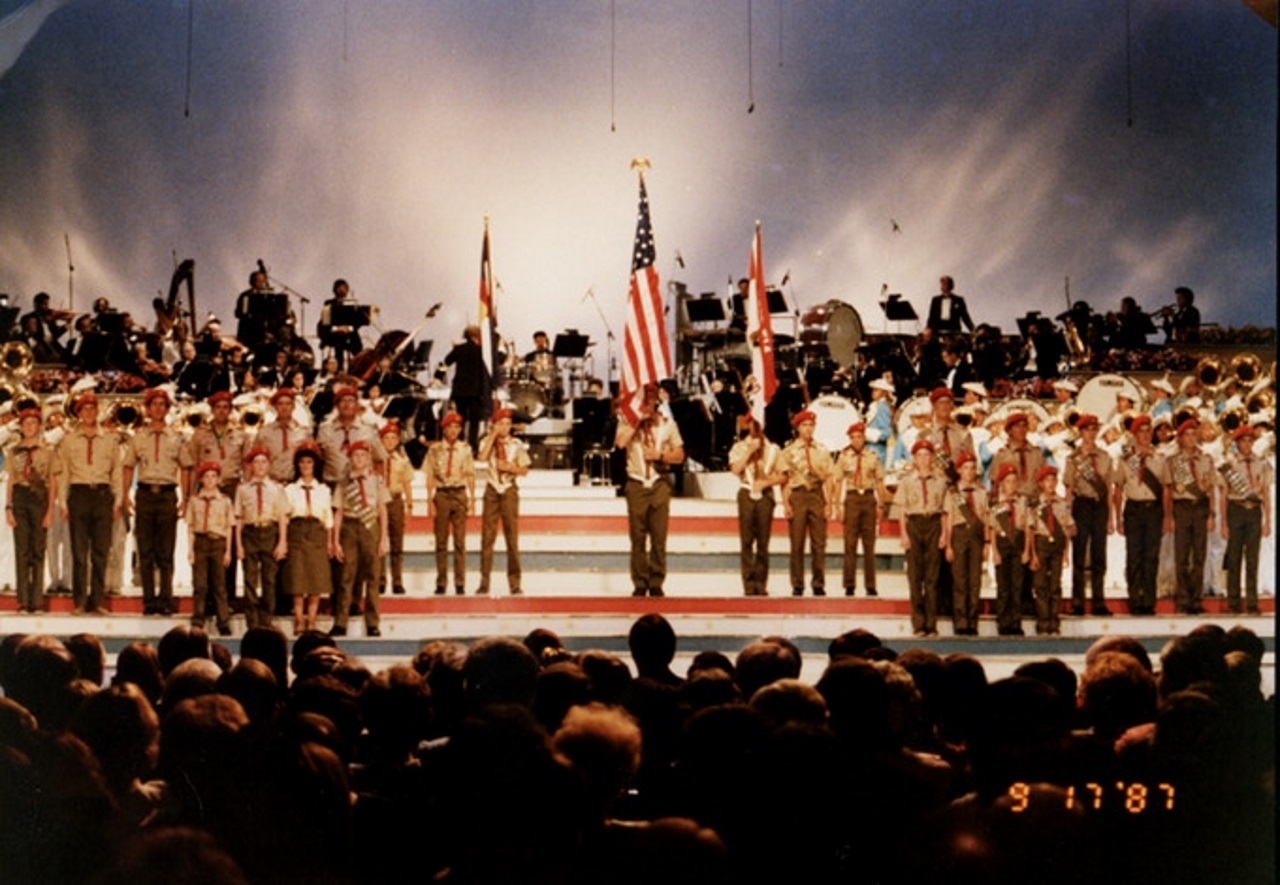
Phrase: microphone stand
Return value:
(302, 299)
(609, 362)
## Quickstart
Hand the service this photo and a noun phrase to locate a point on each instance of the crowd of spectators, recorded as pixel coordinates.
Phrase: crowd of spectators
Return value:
(525, 761)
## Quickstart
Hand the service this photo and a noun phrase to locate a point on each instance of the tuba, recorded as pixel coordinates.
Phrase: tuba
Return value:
(1232, 419)
(16, 359)
(1209, 373)
(1246, 369)
(126, 414)
(1261, 401)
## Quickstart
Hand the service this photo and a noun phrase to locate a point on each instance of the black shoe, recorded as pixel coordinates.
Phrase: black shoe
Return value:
(640, 591)
(335, 630)
(1254, 610)
(818, 591)
(482, 591)
(871, 591)
(1196, 610)
(439, 590)
(372, 631)
(1101, 611)
(797, 591)
(398, 590)
(656, 591)
(1077, 611)
(848, 591)
(354, 610)
(460, 590)
(516, 591)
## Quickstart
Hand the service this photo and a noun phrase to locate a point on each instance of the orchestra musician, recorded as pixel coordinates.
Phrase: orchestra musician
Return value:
(1181, 322)
(340, 324)
(45, 328)
(947, 310)
(1129, 327)
(252, 312)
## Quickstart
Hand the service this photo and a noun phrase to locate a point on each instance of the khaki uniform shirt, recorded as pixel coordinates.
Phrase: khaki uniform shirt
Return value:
(211, 514)
(1028, 461)
(225, 447)
(261, 508)
(1255, 479)
(1085, 471)
(1128, 475)
(281, 440)
(950, 443)
(334, 439)
(30, 465)
(764, 465)
(359, 497)
(510, 449)
(957, 500)
(89, 459)
(1039, 516)
(399, 474)
(807, 466)
(158, 457)
(1193, 476)
(450, 466)
(661, 433)
(921, 496)
(1007, 517)
(859, 471)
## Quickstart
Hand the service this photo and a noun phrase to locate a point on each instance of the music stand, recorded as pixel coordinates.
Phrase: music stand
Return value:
(8, 316)
(777, 301)
(570, 344)
(897, 309)
(705, 310)
(401, 408)
(422, 355)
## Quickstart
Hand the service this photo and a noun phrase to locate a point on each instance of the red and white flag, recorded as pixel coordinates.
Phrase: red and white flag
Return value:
(646, 357)
(487, 315)
(760, 331)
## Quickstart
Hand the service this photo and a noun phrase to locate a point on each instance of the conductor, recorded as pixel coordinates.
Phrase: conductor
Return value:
(947, 310)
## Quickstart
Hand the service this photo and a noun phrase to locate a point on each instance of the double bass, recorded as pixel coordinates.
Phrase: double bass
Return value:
(364, 365)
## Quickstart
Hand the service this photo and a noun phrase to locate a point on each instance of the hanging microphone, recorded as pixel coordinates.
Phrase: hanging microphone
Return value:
(591, 291)
(679, 258)
(785, 277)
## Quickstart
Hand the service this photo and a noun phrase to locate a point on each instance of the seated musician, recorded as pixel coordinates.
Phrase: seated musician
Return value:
(42, 328)
(340, 324)
(1130, 327)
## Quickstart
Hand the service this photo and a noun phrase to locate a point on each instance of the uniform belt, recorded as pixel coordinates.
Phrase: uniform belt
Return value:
(451, 488)
(862, 491)
(1142, 502)
(305, 519)
(156, 488)
(1245, 503)
(93, 486)
(923, 515)
(265, 525)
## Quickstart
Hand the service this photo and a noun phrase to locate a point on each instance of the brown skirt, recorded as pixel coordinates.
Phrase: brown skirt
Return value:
(308, 559)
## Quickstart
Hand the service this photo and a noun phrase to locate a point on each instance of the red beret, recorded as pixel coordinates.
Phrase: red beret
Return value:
(391, 428)
(359, 445)
(30, 413)
(941, 393)
(222, 396)
(255, 452)
(1014, 419)
(206, 467)
(800, 417)
(965, 458)
(1240, 433)
(1087, 421)
(451, 418)
(920, 445)
(283, 393)
(1140, 422)
(84, 399)
(1189, 424)
(499, 414)
(856, 427)
(154, 393)
(1004, 471)
(343, 392)
(1046, 470)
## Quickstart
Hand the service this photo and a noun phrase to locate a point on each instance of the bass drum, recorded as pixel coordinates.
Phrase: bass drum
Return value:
(833, 330)
(1097, 396)
(833, 415)
(902, 418)
(528, 400)
(1038, 414)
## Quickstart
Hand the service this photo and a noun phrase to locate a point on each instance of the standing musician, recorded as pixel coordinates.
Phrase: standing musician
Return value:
(879, 418)
(506, 459)
(340, 324)
(262, 523)
(1025, 458)
(1087, 478)
(1189, 512)
(89, 469)
(1138, 499)
(808, 466)
(28, 507)
(161, 460)
(755, 460)
(360, 522)
(1247, 504)
(859, 495)
(653, 447)
(964, 538)
(1049, 525)
(282, 435)
(451, 494)
(1006, 528)
(921, 497)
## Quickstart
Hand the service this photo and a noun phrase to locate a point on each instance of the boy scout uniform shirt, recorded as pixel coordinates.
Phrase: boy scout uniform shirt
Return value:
(451, 465)
(30, 464)
(659, 432)
(1007, 517)
(949, 443)
(336, 438)
(1193, 476)
(1039, 516)
(1027, 461)
(359, 497)
(281, 440)
(211, 514)
(973, 498)
(807, 466)
(224, 446)
(510, 449)
(765, 464)
(921, 495)
(158, 457)
(260, 502)
(1258, 479)
(1129, 471)
(861, 471)
(1088, 473)
(399, 474)
(89, 459)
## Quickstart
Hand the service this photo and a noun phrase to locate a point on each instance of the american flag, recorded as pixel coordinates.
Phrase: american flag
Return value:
(646, 356)
(760, 331)
(488, 317)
